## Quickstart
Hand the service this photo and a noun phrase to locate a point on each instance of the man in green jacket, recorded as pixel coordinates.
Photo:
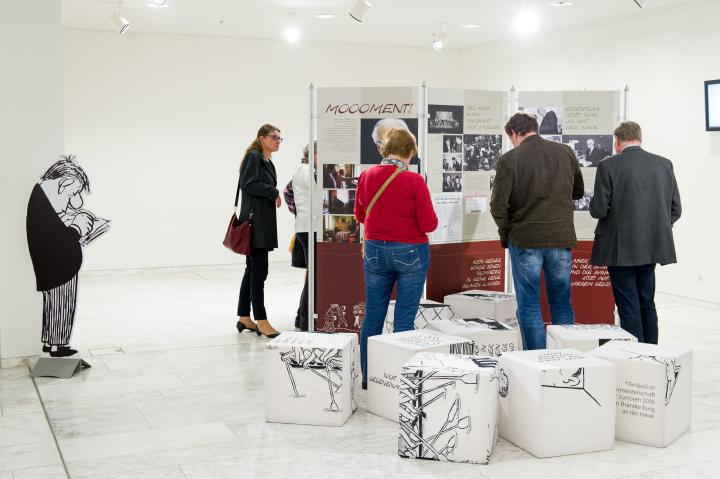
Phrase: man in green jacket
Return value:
(532, 204)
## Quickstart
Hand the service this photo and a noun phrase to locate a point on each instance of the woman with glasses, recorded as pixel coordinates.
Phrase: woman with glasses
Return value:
(260, 199)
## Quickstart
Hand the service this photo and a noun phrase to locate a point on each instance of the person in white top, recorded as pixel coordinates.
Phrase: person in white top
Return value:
(302, 194)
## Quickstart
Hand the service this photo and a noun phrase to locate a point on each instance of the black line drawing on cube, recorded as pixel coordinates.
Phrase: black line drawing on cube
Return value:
(415, 442)
(315, 360)
(427, 312)
(672, 370)
(504, 383)
(57, 229)
(573, 380)
(467, 348)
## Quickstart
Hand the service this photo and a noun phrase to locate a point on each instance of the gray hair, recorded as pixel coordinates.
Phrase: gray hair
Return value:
(386, 124)
(67, 168)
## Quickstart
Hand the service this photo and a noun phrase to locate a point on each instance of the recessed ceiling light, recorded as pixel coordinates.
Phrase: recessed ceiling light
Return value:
(292, 34)
(470, 25)
(439, 41)
(560, 4)
(325, 16)
(158, 4)
(526, 22)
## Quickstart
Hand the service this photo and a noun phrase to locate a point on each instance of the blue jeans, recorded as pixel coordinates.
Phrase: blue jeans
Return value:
(526, 267)
(385, 264)
(634, 290)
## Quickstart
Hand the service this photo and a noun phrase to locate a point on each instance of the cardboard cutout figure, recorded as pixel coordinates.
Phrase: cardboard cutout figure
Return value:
(57, 227)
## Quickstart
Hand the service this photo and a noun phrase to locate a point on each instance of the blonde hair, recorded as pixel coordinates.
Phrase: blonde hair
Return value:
(399, 141)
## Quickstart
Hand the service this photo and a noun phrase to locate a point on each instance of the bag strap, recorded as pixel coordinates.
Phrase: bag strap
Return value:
(382, 189)
(237, 193)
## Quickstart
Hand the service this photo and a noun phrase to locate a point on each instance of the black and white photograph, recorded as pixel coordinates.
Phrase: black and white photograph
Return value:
(338, 202)
(452, 182)
(583, 204)
(341, 229)
(445, 119)
(549, 118)
(337, 176)
(452, 143)
(555, 138)
(371, 134)
(590, 150)
(482, 152)
(452, 161)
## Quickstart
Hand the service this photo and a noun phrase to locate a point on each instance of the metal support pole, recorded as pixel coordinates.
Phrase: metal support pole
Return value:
(626, 103)
(311, 228)
(422, 148)
(513, 105)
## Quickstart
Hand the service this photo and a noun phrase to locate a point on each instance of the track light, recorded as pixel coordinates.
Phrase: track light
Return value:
(359, 9)
(119, 23)
(641, 3)
(439, 41)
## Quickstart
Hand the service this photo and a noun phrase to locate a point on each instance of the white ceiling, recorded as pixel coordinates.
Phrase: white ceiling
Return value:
(389, 22)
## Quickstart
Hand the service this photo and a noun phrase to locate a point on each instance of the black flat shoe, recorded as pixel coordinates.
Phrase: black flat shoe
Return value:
(241, 327)
(364, 385)
(46, 348)
(62, 352)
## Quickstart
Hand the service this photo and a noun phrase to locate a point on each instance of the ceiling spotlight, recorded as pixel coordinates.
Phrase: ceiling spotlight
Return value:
(641, 3)
(439, 41)
(119, 23)
(470, 25)
(158, 4)
(292, 33)
(560, 4)
(526, 22)
(359, 9)
(325, 16)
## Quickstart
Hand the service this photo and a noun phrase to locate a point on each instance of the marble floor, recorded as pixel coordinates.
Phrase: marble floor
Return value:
(175, 392)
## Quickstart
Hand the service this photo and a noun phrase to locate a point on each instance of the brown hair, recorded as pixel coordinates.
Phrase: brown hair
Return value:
(264, 130)
(521, 123)
(628, 131)
(399, 141)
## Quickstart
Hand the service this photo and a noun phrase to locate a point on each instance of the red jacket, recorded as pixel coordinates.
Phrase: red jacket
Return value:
(404, 213)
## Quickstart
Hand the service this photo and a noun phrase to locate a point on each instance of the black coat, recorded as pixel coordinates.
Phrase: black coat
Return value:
(258, 183)
(54, 248)
(637, 201)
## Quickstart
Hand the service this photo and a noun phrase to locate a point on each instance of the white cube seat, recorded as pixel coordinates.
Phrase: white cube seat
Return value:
(311, 378)
(476, 303)
(556, 402)
(387, 353)
(584, 337)
(448, 408)
(491, 337)
(428, 311)
(654, 391)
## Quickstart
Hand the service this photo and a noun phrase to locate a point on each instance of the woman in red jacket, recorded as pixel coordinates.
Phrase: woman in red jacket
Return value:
(396, 241)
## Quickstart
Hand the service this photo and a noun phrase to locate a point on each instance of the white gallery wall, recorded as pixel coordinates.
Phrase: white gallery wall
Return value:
(31, 135)
(161, 123)
(664, 59)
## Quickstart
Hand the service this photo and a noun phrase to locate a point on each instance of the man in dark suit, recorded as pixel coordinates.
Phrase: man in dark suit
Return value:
(594, 154)
(637, 202)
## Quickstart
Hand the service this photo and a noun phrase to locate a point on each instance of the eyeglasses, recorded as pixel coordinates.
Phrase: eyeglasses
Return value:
(277, 138)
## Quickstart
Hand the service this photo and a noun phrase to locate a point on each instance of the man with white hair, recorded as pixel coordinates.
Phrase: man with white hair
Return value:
(382, 126)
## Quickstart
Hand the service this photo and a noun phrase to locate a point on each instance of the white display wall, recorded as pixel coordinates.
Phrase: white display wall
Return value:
(160, 124)
(31, 135)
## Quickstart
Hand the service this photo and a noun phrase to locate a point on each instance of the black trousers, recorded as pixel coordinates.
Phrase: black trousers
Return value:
(634, 290)
(252, 289)
(301, 318)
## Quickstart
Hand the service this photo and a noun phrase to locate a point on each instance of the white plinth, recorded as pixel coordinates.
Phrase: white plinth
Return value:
(311, 378)
(448, 408)
(490, 337)
(477, 303)
(584, 337)
(428, 312)
(555, 402)
(387, 353)
(654, 391)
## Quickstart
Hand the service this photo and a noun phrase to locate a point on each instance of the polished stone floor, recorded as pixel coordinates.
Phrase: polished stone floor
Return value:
(175, 392)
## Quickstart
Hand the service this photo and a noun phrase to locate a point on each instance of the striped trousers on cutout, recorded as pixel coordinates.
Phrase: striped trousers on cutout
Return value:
(59, 313)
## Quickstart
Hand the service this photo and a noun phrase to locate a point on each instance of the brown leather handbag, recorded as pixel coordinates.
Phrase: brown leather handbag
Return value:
(238, 237)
